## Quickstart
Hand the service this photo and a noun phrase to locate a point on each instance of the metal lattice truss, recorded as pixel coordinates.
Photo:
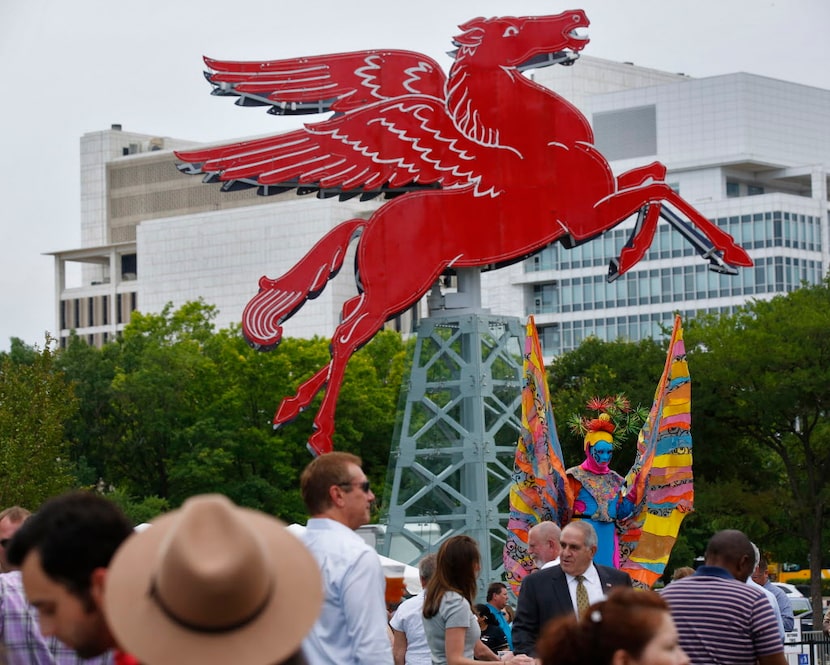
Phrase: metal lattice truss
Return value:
(452, 460)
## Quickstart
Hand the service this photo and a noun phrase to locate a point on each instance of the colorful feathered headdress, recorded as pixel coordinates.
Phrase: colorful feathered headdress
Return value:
(615, 419)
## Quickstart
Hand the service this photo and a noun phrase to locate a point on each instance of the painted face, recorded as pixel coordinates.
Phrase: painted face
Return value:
(601, 451)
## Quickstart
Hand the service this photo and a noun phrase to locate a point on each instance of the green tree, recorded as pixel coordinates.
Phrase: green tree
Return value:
(597, 368)
(367, 406)
(767, 369)
(161, 388)
(90, 371)
(35, 402)
(173, 409)
(21, 353)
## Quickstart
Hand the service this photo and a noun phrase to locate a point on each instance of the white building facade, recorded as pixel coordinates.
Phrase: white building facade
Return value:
(751, 153)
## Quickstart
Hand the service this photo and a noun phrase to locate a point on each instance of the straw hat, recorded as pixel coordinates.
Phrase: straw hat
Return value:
(212, 583)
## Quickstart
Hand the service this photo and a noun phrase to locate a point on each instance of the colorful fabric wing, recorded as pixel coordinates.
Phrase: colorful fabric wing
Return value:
(540, 490)
(660, 484)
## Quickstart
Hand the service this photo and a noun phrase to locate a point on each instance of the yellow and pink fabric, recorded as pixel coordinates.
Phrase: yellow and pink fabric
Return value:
(540, 490)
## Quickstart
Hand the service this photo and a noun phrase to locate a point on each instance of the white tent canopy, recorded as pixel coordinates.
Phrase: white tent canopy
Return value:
(411, 577)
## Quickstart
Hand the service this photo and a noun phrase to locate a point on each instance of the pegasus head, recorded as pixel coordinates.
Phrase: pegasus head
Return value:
(513, 41)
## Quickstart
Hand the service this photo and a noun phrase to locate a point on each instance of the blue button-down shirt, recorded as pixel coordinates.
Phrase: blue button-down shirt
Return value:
(351, 629)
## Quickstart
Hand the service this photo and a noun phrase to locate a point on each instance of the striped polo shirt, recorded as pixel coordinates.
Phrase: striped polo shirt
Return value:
(721, 620)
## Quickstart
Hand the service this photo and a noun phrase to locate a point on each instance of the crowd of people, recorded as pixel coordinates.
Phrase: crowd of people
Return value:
(214, 583)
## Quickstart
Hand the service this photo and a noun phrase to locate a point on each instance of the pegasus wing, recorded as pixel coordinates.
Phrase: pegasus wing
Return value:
(660, 484)
(382, 148)
(340, 82)
(540, 491)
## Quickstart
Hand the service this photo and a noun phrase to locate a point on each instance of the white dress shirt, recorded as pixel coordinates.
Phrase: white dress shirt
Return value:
(592, 585)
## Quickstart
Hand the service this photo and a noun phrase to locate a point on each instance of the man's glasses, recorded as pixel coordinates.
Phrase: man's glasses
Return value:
(364, 485)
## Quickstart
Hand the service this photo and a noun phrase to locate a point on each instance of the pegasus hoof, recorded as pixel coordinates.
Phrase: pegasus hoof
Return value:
(320, 444)
(287, 412)
(737, 256)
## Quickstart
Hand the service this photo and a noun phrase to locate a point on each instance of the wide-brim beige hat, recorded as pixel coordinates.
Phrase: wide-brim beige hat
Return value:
(212, 583)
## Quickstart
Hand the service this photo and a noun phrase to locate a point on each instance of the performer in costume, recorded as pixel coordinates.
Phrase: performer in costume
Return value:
(637, 517)
(600, 496)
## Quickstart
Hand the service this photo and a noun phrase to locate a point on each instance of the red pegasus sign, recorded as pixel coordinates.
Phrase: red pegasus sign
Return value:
(486, 167)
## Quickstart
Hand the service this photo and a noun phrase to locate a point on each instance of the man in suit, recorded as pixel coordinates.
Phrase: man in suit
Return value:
(569, 587)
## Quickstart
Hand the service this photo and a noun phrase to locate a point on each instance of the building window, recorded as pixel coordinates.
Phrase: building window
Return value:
(733, 189)
(129, 266)
(545, 299)
(754, 190)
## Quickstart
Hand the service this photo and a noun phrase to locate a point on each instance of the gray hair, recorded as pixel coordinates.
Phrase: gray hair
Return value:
(589, 534)
(547, 529)
(426, 567)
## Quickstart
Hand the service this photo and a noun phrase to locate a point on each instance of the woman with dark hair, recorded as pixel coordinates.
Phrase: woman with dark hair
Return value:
(450, 625)
(491, 633)
(628, 628)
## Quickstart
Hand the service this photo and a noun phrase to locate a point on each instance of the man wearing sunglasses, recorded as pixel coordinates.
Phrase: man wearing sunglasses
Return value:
(352, 626)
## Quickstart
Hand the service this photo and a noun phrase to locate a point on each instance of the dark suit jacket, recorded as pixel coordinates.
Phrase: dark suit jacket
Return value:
(543, 596)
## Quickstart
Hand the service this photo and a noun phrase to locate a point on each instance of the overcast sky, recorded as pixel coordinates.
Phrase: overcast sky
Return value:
(68, 68)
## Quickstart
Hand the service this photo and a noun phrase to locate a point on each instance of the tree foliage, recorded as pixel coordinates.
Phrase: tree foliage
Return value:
(173, 409)
(35, 403)
(767, 369)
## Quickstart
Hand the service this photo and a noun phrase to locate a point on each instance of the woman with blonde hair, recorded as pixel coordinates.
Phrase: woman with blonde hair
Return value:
(628, 628)
(451, 626)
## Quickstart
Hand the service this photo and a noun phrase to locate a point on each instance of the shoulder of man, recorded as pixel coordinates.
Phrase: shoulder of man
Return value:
(409, 605)
(542, 576)
(613, 575)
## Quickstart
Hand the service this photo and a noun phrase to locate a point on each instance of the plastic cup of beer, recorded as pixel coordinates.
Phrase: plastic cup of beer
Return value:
(395, 586)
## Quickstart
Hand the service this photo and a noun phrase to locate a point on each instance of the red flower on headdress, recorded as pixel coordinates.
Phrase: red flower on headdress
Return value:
(601, 424)
(601, 404)
(613, 415)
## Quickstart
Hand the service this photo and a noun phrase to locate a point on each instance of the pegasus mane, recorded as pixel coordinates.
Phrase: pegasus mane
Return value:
(459, 100)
